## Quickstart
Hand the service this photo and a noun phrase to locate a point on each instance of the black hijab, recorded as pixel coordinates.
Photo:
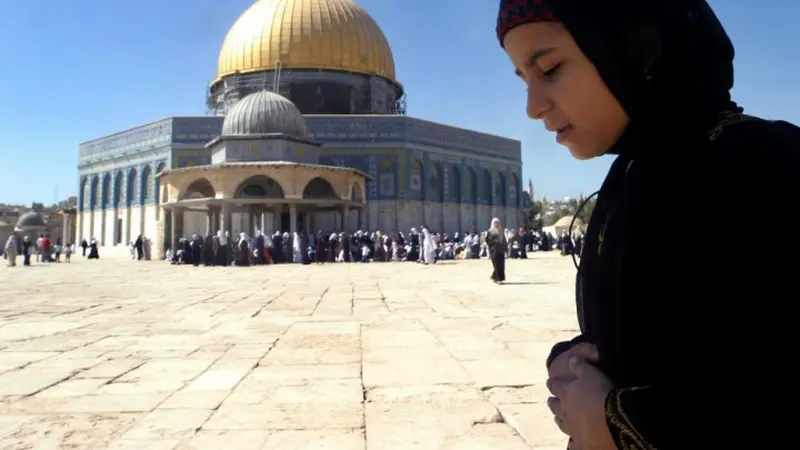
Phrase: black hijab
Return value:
(668, 62)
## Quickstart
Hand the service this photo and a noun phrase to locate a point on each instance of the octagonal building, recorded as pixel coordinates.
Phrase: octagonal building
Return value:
(330, 68)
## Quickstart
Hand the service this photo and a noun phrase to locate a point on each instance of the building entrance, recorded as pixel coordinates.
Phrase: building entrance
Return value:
(286, 223)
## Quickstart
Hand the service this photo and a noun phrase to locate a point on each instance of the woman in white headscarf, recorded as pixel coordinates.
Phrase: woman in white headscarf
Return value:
(10, 250)
(428, 247)
(497, 243)
(297, 250)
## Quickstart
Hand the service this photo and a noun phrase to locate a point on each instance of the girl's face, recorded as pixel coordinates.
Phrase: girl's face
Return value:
(564, 89)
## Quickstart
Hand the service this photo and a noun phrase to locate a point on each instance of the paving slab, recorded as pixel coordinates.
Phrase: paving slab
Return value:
(120, 354)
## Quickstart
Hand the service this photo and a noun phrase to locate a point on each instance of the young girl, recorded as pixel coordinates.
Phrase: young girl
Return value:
(670, 330)
(68, 252)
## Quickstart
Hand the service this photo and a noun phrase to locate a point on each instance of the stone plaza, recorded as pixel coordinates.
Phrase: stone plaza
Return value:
(122, 354)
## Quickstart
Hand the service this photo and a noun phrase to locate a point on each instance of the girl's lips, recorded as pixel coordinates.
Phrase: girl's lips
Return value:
(564, 133)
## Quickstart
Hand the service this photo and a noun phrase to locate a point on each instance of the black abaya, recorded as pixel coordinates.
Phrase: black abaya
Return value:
(497, 253)
(498, 266)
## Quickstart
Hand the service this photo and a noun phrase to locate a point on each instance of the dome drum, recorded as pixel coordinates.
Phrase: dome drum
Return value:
(263, 149)
(313, 91)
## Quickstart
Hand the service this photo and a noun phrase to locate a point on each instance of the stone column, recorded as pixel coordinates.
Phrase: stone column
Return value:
(263, 219)
(226, 218)
(209, 222)
(65, 228)
(292, 219)
(173, 232)
(277, 214)
(344, 217)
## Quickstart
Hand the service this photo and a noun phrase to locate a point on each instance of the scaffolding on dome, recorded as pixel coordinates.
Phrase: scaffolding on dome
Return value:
(225, 92)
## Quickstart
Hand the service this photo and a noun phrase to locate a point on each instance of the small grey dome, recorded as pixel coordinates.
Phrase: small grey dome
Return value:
(30, 221)
(264, 112)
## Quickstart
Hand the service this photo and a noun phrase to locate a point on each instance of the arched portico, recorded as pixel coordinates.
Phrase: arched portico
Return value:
(263, 197)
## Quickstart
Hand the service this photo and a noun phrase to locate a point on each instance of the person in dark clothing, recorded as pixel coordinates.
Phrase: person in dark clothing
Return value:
(139, 246)
(666, 336)
(322, 247)
(27, 249)
(197, 250)
(496, 241)
(208, 250)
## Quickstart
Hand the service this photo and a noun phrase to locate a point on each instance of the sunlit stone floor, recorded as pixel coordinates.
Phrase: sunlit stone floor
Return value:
(128, 355)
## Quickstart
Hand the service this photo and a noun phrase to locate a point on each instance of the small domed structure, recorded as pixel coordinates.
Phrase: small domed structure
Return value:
(562, 225)
(264, 112)
(30, 222)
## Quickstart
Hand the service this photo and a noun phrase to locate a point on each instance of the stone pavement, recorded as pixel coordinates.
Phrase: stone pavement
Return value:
(127, 355)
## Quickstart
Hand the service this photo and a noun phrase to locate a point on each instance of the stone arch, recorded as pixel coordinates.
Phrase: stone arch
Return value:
(500, 189)
(259, 186)
(486, 186)
(94, 198)
(356, 193)
(160, 168)
(147, 184)
(417, 180)
(320, 188)
(454, 184)
(105, 197)
(472, 186)
(199, 188)
(84, 194)
(117, 194)
(513, 191)
(131, 189)
(436, 183)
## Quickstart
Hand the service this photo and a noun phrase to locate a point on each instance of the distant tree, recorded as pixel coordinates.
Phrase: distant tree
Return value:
(37, 207)
(585, 214)
(71, 202)
(533, 217)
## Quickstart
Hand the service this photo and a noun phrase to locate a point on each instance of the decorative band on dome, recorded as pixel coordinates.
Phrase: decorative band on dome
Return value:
(517, 12)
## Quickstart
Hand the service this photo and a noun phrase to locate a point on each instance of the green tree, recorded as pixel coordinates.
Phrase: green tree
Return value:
(586, 213)
(533, 217)
(37, 207)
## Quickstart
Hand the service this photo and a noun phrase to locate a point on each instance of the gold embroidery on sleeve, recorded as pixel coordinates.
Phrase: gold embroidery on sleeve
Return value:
(621, 425)
(727, 119)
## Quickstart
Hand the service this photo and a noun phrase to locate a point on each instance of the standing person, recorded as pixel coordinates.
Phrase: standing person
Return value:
(10, 250)
(93, 252)
(27, 250)
(497, 243)
(428, 247)
(68, 250)
(671, 332)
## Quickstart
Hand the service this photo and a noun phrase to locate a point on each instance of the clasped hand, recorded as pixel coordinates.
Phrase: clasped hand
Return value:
(578, 403)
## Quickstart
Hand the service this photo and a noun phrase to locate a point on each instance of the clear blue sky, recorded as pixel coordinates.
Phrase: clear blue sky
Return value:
(77, 70)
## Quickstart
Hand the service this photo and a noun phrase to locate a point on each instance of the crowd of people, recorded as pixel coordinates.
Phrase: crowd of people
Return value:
(426, 247)
(43, 249)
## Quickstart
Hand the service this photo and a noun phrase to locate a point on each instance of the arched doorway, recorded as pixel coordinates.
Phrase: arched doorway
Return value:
(200, 188)
(259, 186)
(319, 188)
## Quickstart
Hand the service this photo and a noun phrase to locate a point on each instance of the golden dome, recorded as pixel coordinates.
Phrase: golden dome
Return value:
(306, 34)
